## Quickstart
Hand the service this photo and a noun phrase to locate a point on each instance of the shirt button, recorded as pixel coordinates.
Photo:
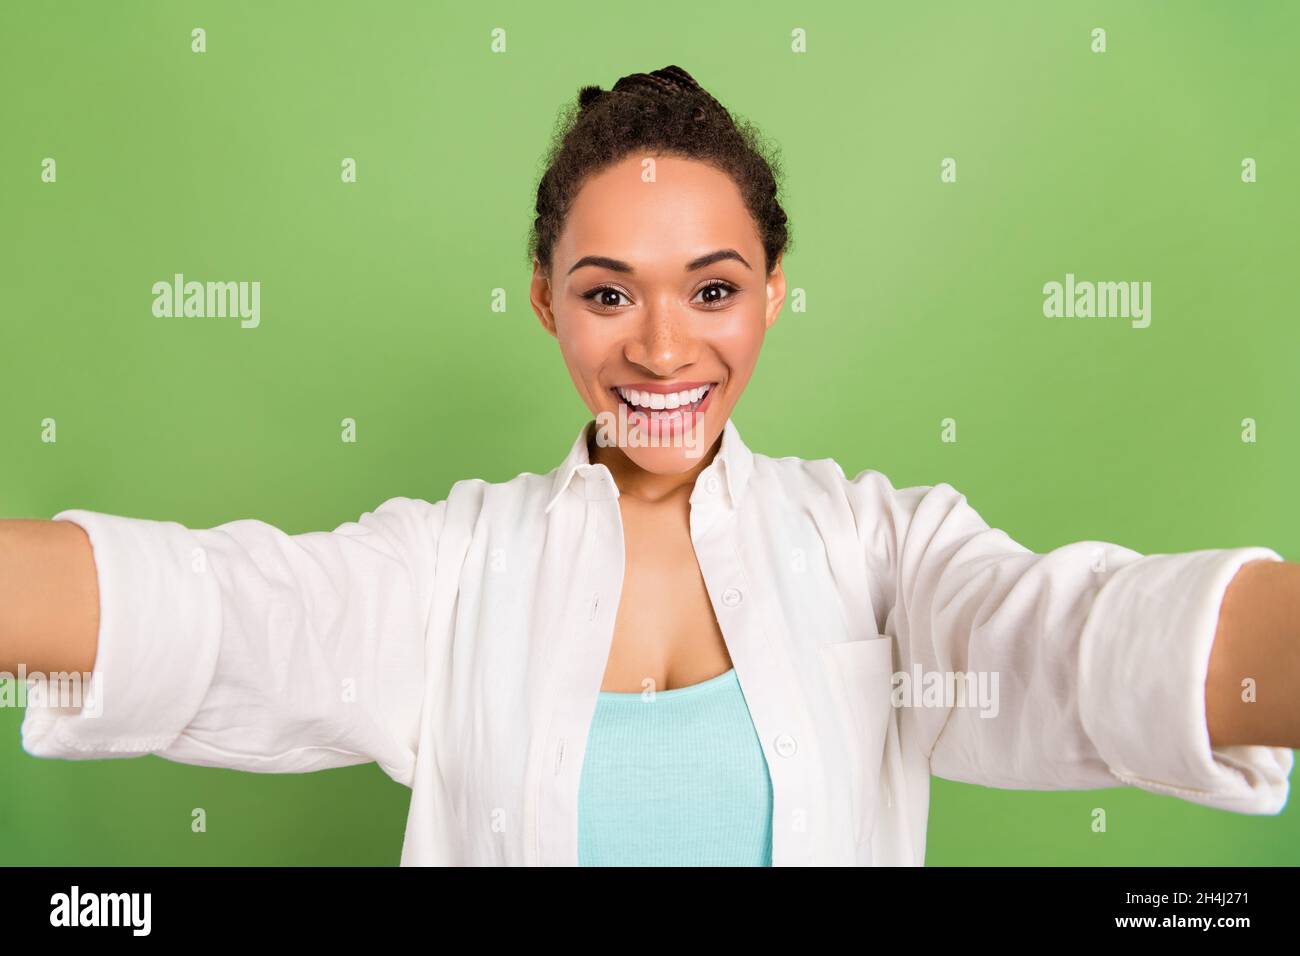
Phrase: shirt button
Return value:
(785, 745)
(731, 597)
(711, 484)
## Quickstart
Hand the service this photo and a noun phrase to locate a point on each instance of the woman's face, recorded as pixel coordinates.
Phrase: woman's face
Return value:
(659, 300)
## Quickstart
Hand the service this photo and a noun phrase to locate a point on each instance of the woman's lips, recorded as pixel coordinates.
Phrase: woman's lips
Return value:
(665, 419)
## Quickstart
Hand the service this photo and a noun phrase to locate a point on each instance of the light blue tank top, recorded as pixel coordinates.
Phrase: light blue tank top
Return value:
(677, 778)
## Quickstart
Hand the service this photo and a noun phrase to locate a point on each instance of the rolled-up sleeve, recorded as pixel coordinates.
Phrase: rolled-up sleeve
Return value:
(1143, 660)
(243, 646)
(1098, 654)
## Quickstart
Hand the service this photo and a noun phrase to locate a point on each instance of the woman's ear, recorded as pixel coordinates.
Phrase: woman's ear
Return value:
(539, 296)
(775, 291)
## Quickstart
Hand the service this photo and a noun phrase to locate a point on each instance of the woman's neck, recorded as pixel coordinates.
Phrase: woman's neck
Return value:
(647, 486)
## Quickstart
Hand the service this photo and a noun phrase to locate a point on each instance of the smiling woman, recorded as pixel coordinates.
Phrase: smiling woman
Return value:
(667, 320)
(662, 323)
(649, 656)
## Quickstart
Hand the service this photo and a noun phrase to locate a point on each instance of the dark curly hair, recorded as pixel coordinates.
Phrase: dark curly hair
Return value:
(664, 112)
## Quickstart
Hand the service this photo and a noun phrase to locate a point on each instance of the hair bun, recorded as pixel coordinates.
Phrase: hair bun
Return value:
(668, 81)
(588, 95)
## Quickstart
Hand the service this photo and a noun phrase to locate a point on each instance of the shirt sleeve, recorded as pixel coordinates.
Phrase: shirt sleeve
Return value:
(1097, 655)
(242, 646)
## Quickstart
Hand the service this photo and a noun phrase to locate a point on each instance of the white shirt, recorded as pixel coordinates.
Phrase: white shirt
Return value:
(461, 645)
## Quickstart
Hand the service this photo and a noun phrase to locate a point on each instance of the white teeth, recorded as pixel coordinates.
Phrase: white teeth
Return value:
(663, 400)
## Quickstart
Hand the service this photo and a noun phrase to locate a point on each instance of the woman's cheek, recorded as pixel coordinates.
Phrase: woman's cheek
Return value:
(738, 341)
(586, 347)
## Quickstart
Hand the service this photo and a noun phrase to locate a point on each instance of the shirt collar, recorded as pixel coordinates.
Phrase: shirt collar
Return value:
(734, 460)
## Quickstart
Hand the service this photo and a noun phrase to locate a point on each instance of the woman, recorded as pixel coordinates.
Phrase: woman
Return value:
(669, 649)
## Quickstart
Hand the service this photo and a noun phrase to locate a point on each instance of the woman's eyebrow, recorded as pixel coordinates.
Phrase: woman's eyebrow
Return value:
(618, 265)
(713, 257)
(604, 262)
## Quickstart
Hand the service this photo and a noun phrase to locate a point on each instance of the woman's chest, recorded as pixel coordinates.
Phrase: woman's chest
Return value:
(666, 634)
(526, 644)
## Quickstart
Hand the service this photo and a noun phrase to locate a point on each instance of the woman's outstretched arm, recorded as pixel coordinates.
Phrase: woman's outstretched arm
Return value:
(240, 646)
(1094, 657)
(49, 597)
(1252, 690)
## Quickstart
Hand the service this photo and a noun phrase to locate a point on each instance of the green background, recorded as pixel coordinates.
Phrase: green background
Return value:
(924, 302)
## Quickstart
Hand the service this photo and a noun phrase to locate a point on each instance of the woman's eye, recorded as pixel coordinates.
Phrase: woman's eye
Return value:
(716, 293)
(607, 297)
(604, 296)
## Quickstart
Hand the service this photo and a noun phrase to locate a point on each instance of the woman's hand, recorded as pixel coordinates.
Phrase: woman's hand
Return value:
(49, 597)
(1257, 640)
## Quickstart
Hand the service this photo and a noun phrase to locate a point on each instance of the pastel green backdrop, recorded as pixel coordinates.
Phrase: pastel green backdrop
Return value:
(924, 301)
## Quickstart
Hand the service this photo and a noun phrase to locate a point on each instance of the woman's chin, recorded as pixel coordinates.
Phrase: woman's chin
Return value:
(667, 460)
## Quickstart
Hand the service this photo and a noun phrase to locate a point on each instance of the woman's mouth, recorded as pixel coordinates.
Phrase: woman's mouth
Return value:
(663, 408)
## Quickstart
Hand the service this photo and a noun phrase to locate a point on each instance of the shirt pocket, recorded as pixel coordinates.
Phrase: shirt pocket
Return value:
(859, 674)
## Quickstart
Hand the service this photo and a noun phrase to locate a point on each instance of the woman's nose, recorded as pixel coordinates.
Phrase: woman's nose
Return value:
(663, 342)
